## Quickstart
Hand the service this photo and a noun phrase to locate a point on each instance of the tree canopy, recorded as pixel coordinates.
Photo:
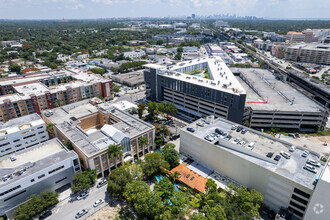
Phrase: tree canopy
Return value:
(81, 181)
(153, 163)
(171, 155)
(118, 179)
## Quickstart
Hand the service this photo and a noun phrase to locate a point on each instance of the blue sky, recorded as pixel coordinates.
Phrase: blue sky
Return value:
(57, 9)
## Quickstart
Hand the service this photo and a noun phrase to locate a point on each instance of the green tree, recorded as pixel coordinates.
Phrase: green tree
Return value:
(99, 71)
(215, 212)
(81, 181)
(153, 163)
(135, 189)
(50, 129)
(115, 87)
(167, 108)
(14, 67)
(176, 176)
(115, 151)
(180, 204)
(118, 179)
(152, 108)
(36, 204)
(141, 107)
(143, 142)
(171, 155)
(165, 187)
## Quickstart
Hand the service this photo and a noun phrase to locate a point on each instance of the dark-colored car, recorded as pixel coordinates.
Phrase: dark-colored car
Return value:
(102, 183)
(217, 130)
(270, 154)
(277, 157)
(46, 214)
(272, 214)
(239, 128)
(191, 129)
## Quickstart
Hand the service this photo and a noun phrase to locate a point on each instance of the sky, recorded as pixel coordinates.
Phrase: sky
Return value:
(90, 9)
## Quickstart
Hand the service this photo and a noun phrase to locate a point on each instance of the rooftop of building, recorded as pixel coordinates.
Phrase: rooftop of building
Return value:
(263, 144)
(21, 123)
(266, 93)
(311, 46)
(190, 178)
(221, 77)
(94, 139)
(33, 159)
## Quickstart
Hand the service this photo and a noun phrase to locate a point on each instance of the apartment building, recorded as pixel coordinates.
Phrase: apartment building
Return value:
(309, 53)
(20, 133)
(248, 159)
(92, 129)
(196, 92)
(36, 92)
(295, 36)
(46, 166)
(272, 103)
(135, 54)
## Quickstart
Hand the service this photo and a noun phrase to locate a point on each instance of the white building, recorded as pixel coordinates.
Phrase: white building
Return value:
(248, 159)
(134, 54)
(20, 133)
(46, 166)
(221, 23)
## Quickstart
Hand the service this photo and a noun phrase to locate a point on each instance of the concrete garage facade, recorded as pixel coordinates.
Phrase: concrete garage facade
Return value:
(283, 184)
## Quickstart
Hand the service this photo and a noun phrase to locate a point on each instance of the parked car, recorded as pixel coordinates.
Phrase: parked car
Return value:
(277, 157)
(234, 127)
(191, 129)
(217, 130)
(292, 148)
(251, 146)
(313, 163)
(82, 196)
(310, 168)
(81, 213)
(272, 214)
(200, 124)
(270, 154)
(239, 128)
(98, 202)
(46, 214)
(102, 183)
(285, 155)
(244, 131)
(305, 153)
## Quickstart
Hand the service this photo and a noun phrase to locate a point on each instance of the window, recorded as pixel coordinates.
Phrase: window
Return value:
(29, 136)
(41, 176)
(1, 145)
(10, 190)
(299, 192)
(60, 180)
(15, 195)
(18, 145)
(302, 201)
(41, 132)
(54, 170)
(16, 140)
(40, 127)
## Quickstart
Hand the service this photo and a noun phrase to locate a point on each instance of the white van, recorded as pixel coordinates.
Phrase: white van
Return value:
(251, 146)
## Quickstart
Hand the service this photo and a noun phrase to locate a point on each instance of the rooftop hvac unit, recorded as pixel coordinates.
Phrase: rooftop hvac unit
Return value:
(209, 119)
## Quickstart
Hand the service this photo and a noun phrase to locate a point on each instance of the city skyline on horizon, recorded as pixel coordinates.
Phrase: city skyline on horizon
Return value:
(106, 9)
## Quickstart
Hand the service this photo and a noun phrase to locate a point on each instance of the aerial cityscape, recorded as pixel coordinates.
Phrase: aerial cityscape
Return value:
(187, 109)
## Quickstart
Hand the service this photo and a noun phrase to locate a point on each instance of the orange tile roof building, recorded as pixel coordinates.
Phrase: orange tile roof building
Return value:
(190, 178)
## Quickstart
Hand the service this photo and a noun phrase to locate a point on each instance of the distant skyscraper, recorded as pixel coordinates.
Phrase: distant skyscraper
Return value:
(193, 16)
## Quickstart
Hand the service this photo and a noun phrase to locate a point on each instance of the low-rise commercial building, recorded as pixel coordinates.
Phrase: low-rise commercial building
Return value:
(92, 129)
(272, 103)
(197, 92)
(309, 53)
(46, 166)
(20, 133)
(255, 160)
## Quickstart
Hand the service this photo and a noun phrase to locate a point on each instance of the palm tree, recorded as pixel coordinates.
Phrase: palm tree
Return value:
(114, 151)
(143, 142)
(176, 175)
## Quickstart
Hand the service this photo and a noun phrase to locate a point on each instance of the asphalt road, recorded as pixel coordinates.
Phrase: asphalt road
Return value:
(66, 210)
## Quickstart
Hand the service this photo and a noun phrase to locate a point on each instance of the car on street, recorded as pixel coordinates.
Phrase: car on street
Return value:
(81, 213)
(102, 183)
(45, 214)
(82, 196)
(98, 202)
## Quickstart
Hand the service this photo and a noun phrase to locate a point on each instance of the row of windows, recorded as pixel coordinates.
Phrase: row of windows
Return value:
(10, 190)
(1, 145)
(29, 136)
(17, 194)
(54, 170)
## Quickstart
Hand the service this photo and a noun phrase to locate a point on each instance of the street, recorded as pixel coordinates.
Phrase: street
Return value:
(66, 210)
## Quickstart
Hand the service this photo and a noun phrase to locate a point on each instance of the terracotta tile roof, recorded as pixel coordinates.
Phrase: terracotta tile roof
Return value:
(190, 178)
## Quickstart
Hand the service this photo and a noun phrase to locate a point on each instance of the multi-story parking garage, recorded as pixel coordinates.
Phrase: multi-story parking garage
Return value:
(273, 103)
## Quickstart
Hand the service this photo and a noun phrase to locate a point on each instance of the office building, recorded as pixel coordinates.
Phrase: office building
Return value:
(220, 23)
(46, 166)
(92, 129)
(20, 133)
(272, 103)
(309, 53)
(197, 92)
(255, 160)
(36, 92)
